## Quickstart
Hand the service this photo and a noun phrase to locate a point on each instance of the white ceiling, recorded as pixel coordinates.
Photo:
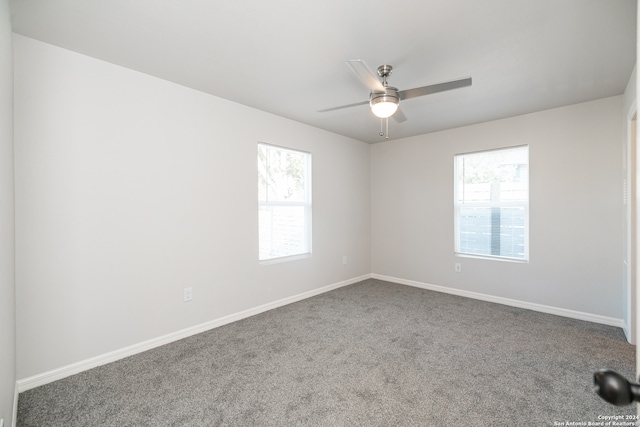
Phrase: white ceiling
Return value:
(288, 57)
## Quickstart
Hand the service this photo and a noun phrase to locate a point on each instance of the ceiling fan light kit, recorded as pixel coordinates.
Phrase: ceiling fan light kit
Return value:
(384, 104)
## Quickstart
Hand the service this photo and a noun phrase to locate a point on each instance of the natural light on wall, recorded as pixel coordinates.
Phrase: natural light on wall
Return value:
(492, 203)
(284, 203)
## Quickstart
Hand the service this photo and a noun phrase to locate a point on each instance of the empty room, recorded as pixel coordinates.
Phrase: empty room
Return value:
(338, 213)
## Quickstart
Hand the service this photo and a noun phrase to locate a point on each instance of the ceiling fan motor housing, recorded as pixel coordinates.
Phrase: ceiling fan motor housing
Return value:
(389, 95)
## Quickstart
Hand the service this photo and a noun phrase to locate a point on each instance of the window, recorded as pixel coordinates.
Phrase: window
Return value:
(492, 203)
(284, 202)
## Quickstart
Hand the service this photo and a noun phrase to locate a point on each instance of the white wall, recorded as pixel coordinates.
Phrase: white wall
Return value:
(130, 188)
(7, 298)
(575, 209)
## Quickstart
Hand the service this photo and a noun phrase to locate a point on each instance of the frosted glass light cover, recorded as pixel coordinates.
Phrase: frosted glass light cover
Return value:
(384, 109)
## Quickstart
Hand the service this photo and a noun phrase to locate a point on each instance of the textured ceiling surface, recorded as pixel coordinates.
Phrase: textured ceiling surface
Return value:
(288, 57)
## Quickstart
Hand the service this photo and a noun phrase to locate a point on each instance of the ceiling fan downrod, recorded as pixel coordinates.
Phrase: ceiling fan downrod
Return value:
(384, 71)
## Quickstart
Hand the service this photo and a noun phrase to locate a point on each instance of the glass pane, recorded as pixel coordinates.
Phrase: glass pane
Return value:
(493, 231)
(262, 172)
(281, 174)
(493, 176)
(282, 231)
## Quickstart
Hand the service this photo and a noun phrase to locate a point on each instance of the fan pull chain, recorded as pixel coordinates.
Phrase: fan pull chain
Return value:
(382, 132)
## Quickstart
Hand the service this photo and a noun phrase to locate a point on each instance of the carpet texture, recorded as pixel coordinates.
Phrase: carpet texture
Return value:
(370, 354)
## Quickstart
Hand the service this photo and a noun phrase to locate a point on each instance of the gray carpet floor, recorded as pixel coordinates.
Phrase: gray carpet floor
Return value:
(370, 354)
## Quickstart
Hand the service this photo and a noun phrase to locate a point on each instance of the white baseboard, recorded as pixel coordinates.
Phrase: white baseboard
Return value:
(595, 318)
(628, 333)
(14, 419)
(84, 365)
(65, 371)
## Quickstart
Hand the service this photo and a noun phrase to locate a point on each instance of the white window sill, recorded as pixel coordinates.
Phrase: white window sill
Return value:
(493, 258)
(284, 259)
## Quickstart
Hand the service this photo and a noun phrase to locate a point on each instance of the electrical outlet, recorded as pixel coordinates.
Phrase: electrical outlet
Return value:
(188, 294)
(458, 267)
(344, 260)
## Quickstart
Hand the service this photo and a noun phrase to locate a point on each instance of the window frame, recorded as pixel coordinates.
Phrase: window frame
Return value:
(306, 204)
(490, 204)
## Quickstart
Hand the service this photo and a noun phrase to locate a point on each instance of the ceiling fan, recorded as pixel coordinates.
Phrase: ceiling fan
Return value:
(384, 100)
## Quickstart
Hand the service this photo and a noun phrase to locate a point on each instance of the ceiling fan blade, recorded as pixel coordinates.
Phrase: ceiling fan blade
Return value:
(428, 90)
(344, 106)
(399, 116)
(365, 74)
